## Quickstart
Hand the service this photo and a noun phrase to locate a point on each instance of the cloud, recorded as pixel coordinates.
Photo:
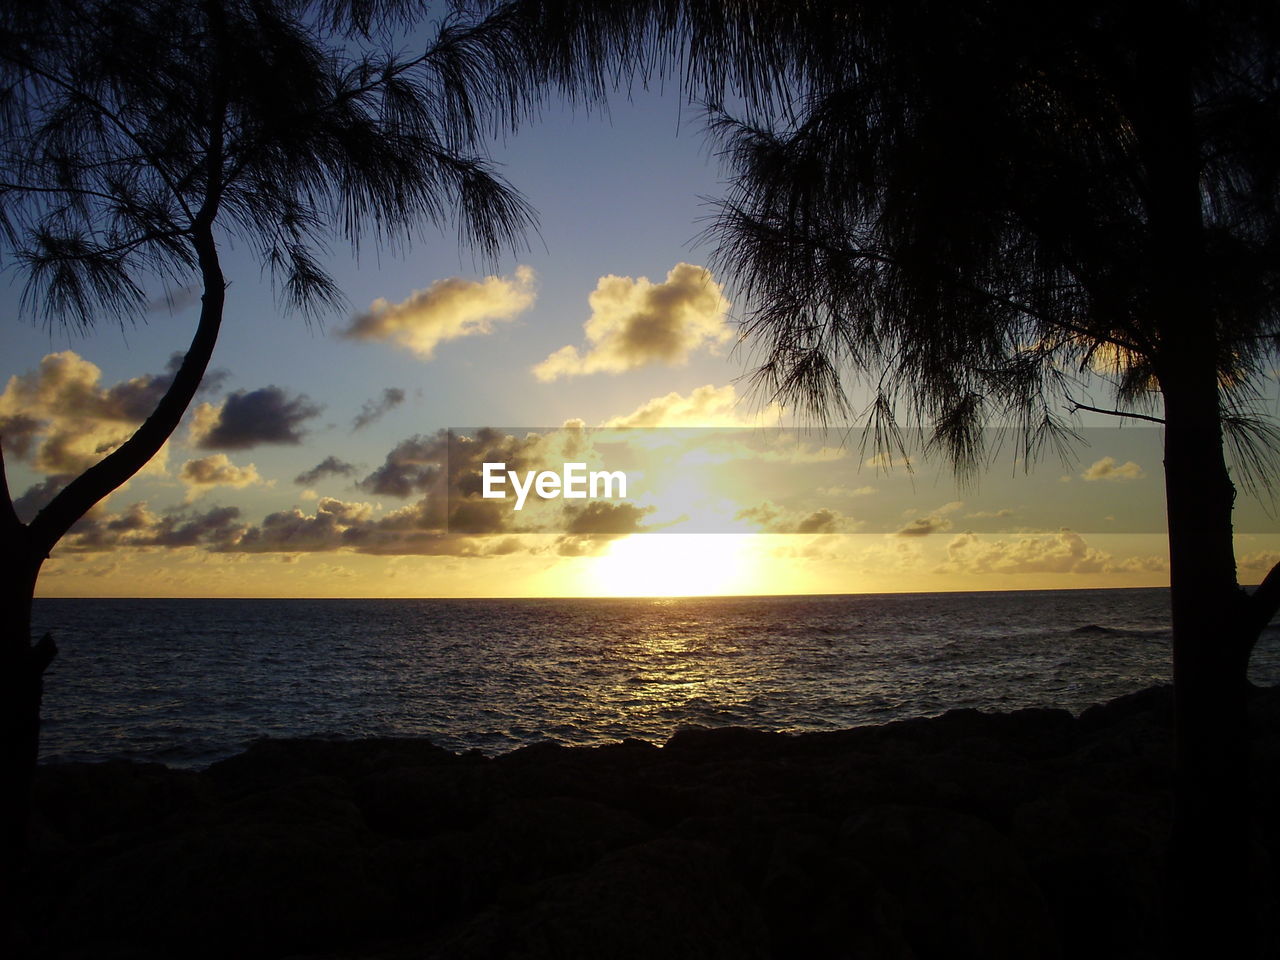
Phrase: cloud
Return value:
(175, 301)
(250, 418)
(705, 406)
(420, 463)
(990, 514)
(374, 410)
(216, 470)
(411, 467)
(448, 518)
(138, 526)
(923, 526)
(1062, 552)
(821, 521)
(446, 310)
(773, 519)
(587, 545)
(635, 322)
(602, 517)
(838, 491)
(1261, 561)
(885, 461)
(75, 420)
(17, 433)
(934, 522)
(38, 495)
(1108, 469)
(328, 467)
(446, 467)
(338, 525)
(334, 524)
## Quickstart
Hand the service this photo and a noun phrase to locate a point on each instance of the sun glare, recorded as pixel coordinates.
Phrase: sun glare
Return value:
(674, 565)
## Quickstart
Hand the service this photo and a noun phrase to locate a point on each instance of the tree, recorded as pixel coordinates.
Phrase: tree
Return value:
(140, 135)
(975, 207)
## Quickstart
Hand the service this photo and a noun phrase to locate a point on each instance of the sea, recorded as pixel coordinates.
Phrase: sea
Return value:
(189, 682)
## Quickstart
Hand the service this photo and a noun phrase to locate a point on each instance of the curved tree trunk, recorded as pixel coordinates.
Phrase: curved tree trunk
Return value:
(24, 548)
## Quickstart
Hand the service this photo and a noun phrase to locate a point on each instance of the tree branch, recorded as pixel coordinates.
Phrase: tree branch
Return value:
(61, 191)
(111, 115)
(1075, 406)
(126, 245)
(79, 496)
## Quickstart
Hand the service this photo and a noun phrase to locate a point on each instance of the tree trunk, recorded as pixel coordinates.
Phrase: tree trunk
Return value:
(22, 667)
(1213, 634)
(24, 547)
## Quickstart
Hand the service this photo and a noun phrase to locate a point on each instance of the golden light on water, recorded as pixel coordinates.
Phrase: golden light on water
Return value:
(675, 565)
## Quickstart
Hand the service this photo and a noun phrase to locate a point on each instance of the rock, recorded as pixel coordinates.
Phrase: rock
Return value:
(1027, 835)
(275, 872)
(963, 889)
(661, 899)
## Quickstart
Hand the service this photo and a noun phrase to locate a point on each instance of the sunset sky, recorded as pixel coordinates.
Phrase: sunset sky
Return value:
(302, 469)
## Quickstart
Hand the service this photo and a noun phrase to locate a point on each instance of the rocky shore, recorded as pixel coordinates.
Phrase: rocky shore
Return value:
(1024, 835)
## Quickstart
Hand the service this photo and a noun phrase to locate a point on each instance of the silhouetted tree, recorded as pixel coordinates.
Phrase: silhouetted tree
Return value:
(138, 136)
(975, 207)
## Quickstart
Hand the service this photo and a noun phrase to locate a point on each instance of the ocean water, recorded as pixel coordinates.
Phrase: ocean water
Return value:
(186, 682)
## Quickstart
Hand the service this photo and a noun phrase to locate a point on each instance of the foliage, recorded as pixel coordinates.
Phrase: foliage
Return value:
(129, 124)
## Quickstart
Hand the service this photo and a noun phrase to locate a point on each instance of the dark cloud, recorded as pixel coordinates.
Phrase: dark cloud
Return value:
(137, 526)
(923, 526)
(602, 517)
(479, 517)
(214, 527)
(935, 521)
(249, 418)
(773, 519)
(412, 466)
(335, 524)
(374, 410)
(175, 301)
(328, 467)
(37, 497)
(820, 521)
(450, 463)
(17, 433)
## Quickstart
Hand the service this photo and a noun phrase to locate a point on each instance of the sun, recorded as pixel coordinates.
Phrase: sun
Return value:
(674, 565)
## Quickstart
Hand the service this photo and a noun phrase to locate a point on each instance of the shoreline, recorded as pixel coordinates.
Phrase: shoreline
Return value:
(1025, 834)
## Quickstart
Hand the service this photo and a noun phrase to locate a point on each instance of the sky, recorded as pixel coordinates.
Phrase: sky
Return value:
(330, 459)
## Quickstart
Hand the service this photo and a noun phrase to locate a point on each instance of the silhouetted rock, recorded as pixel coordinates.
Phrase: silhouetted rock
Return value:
(963, 888)
(1030, 835)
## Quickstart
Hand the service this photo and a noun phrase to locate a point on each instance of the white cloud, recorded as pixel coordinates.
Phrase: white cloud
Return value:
(706, 406)
(885, 461)
(216, 471)
(1108, 469)
(446, 310)
(838, 491)
(635, 322)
